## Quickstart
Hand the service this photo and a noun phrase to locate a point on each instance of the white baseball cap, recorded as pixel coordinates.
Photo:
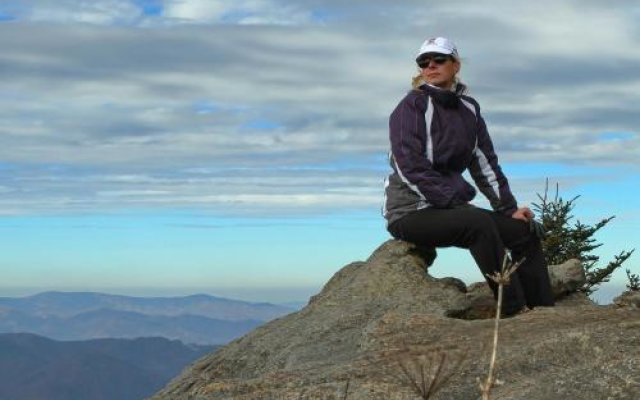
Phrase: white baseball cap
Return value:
(438, 45)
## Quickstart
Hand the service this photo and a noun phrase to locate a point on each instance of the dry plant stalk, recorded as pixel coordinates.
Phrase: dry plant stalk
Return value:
(502, 278)
(346, 389)
(427, 375)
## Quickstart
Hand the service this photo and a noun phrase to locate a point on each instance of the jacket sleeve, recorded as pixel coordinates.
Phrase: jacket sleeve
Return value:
(488, 175)
(407, 133)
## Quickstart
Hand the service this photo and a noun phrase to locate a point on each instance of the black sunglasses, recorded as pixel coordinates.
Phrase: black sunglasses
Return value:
(424, 61)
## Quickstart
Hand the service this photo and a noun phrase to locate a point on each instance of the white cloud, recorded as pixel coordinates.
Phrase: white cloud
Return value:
(198, 10)
(98, 12)
(170, 12)
(246, 12)
(198, 88)
(257, 191)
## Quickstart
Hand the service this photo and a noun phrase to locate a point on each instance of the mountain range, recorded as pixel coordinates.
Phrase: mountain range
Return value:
(34, 367)
(201, 319)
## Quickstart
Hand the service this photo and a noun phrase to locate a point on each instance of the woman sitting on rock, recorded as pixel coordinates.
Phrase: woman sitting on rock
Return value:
(437, 133)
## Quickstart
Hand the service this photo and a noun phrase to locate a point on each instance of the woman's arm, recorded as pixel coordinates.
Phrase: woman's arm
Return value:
(488, 175)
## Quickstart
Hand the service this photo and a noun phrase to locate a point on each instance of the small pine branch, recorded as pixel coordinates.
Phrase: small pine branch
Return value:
(567, 239)
(634, 281)
(595, 277)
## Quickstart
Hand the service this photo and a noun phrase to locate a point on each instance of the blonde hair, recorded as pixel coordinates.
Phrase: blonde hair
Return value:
(417, 81)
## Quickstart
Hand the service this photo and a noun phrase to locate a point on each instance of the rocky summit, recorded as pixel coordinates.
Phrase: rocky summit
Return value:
(385, 329)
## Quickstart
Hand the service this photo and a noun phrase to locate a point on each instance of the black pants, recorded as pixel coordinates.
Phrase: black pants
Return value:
(486, 234)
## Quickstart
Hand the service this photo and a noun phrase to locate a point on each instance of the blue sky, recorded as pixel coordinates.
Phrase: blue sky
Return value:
(238, 148)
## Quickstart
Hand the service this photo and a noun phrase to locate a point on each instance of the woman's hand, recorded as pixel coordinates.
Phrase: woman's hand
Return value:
(523, 213)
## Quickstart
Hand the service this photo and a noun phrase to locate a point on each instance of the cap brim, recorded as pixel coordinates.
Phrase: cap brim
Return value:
(422, 55)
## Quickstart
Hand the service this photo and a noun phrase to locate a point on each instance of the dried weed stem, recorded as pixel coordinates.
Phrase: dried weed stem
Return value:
(502, 278)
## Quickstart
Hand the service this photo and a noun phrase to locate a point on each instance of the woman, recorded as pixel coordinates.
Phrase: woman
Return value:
(437, 133)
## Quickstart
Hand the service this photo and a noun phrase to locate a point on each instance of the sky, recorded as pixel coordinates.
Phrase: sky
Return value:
(238, 148)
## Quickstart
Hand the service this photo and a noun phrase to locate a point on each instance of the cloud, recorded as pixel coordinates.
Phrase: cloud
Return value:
(108, 89)
(98, 12)
(263, 12)
(159, 12)
(242, 192)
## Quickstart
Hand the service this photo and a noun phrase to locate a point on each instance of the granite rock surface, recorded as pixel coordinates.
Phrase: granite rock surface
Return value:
(376, 324)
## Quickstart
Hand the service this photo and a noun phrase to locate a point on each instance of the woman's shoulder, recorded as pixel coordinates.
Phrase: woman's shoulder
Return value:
(414, 97)
(472, 101)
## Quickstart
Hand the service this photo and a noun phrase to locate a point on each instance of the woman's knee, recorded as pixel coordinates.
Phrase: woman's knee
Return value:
(480, 222)
(525, 245)
(479, 227)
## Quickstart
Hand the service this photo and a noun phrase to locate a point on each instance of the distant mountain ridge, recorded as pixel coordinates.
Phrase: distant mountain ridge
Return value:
(199, 319)
(34, 367)
(66, 304)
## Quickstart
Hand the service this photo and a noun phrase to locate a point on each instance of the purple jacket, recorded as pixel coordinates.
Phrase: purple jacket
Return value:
(435, 136)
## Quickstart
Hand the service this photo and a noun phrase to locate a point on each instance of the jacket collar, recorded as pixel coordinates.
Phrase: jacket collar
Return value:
(442, 97)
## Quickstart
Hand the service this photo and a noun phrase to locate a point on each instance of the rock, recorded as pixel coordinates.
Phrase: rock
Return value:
(567, 277)
(574, 299)
(630, 299)
(375, 319)
(482, 305)
(395, 275)
(454, 282)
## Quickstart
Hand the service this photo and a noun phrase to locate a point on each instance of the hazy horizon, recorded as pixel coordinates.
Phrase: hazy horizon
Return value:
(249, 294)
(284, 295)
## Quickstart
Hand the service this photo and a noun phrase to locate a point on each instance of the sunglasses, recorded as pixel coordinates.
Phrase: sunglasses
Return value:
(439, 59)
